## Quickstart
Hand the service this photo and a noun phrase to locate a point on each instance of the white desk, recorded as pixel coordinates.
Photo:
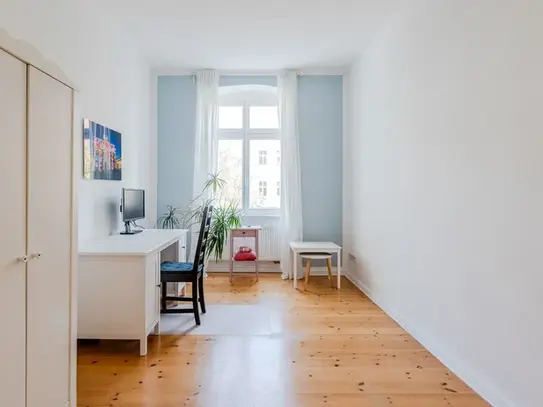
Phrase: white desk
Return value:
(314, 247)
(119, 284)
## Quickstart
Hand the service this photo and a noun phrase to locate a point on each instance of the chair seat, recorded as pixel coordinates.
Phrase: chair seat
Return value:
(175, 267)
(316, 256)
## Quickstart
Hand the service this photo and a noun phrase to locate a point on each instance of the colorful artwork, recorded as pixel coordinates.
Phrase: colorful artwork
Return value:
(102, 152)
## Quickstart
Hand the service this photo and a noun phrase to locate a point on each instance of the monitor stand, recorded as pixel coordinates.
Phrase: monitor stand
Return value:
(128, 229)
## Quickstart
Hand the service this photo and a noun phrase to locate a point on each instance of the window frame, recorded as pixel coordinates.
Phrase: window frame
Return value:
(247, 96)
(262, 157)
(263, 188)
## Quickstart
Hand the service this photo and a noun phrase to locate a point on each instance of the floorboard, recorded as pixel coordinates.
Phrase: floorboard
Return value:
(264, 344)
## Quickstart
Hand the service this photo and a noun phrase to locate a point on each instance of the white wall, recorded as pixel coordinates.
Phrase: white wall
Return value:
(444, 186)
(114, 86)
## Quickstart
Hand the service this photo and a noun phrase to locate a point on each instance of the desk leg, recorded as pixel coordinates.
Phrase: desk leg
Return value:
(156, 329)
(143, 346)
(338, 269)
(295, 268)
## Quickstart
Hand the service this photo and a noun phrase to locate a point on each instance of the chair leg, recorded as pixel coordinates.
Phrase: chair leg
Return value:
(164, 293)
(329, 264)
(307, 272)
(195, 300)
(201, 293)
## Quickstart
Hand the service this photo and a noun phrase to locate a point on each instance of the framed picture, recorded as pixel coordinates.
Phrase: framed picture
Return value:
(102, 152)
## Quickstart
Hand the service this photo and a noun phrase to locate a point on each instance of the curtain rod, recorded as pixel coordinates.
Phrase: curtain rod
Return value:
(301, 72)
(252, 73)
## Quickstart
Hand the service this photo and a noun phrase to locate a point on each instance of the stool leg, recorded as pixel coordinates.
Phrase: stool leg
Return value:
(307, 272)
(329, 264)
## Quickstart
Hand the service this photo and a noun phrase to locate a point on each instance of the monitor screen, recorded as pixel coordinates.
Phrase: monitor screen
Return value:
(133, 204)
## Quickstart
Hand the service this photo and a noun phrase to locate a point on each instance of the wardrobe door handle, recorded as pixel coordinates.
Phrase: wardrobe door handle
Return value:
(23, 259)
(36, 256)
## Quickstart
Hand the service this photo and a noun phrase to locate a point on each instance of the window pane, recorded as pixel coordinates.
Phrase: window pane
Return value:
(264, 176)
(231, 117)
(263, 117)
(230, 166)
(263, 157)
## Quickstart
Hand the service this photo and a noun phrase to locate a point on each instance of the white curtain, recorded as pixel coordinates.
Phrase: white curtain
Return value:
(291, 223)
(206, 141)
(207, 125)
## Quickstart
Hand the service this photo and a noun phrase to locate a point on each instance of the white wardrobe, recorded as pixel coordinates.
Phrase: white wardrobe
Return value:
(37, 347)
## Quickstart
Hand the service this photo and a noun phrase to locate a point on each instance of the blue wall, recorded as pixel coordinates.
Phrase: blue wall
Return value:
(320, 123)
(176, 127)
(320, 105)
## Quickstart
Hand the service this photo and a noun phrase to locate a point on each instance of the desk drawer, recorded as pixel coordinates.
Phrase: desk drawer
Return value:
(152, 289)
(244, 233)
(182, 248)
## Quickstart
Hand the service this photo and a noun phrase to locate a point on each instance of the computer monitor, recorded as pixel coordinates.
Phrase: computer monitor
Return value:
(133, 208)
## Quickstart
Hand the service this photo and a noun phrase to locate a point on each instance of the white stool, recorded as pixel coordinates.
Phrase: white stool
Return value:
(317, 256)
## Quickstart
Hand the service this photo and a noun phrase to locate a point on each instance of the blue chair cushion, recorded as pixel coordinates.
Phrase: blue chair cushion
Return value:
(175, 267)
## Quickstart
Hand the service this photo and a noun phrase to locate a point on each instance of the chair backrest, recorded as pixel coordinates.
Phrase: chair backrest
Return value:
(201, 247)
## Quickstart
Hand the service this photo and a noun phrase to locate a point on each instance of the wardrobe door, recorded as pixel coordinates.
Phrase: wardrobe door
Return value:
(12, 230)
(49, 240)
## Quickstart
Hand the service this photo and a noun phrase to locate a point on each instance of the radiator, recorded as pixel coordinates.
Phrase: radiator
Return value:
(268, 242)
(269, 245)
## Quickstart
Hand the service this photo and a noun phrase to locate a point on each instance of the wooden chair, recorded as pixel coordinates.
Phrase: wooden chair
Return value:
(179, 272)
(317, 256)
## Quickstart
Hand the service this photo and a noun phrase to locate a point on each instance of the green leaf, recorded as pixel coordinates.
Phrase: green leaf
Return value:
(226, 215)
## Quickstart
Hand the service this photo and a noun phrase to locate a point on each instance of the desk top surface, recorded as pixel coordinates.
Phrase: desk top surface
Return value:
(314, 246)
(144, 243)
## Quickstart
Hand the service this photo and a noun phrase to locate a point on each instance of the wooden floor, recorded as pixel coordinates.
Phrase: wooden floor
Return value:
(330, 348)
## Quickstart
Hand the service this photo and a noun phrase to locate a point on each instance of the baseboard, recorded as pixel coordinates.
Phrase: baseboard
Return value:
(452, 362)
(222, 266)
(359, 284)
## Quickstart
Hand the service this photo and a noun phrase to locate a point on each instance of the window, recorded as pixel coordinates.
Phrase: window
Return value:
(262, 189)
(263, 157)
(230, 166)
(278, 188)
(248, 143)
(231, 117)
(263, 117)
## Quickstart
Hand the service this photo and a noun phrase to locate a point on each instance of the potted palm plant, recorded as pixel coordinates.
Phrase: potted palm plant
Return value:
(170, 219)
(226, 215)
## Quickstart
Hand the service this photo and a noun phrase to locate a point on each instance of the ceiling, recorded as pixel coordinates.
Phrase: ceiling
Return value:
(250, 34)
